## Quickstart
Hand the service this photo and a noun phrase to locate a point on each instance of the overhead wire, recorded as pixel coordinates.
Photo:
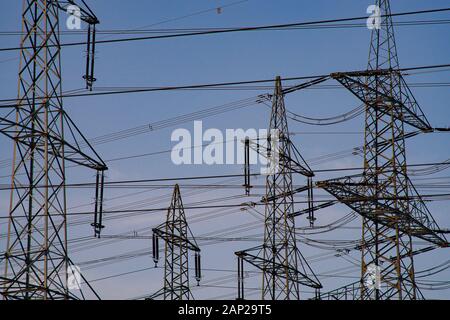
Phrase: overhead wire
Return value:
(233, 30)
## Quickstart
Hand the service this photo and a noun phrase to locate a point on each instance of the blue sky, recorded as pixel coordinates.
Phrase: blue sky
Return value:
(222, 58)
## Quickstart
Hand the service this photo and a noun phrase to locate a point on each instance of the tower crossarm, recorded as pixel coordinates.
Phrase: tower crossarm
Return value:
(305, 85)
(21, 133)
(297, 164)
(253, 257)
(417, 222)
(86, 13)
(176, 240)
(266, 199)
(365, 85)
(315, 208)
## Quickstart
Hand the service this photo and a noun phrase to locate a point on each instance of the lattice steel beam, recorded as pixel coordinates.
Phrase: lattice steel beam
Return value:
(281, 262)
(178, 241)
(36, 256)
(391, 208)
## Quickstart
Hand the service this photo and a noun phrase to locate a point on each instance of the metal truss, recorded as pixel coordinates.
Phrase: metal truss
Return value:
(282, 264)
(178, 241)
(36, 256)
(352, 291)
(417, 222)
(392, 210)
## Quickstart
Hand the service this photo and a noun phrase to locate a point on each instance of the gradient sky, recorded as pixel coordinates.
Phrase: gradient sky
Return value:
(222, 58)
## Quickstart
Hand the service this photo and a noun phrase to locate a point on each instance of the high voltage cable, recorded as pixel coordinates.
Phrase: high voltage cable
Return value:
(180, 119)
(152, 187)
(314, 161)
(231, 30)
(215, 280)
(153, 201)
(122, 134)
(107, 183)
(150, 127)
(147, 128)
(317, 160)
(178, 30)
(190, 15)
(171, 88)
(114, 240)
(196, 86)
(96, 244)
(184, 186)
(96, 263)
(162, 22)
(329, 273)
(158, 125)
(271, 87)
(446, 196)
(143, 252)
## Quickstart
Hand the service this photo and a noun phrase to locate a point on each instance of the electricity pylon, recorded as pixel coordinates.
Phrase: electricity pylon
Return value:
(36, 257)
(392, 210)
(283, 266)
(179, 240)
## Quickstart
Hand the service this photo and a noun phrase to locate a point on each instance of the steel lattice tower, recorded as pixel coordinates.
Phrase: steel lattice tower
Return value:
(178, 241)
(391, 208)
(385, 173)
(280, 245)
(36, 257)
(279, 259)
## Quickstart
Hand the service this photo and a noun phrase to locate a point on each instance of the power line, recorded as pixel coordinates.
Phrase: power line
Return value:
(86, 184)
(198, 86)
(269, 87)
(240, 205)
(184, 30)
(231, 30)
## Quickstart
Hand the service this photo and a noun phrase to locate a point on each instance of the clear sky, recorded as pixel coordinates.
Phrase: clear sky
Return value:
(222, 58)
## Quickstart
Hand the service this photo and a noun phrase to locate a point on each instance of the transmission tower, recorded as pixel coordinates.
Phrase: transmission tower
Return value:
(386, 174)
(279, 258)
(36, 257)
(392, 210)
(178, 241)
